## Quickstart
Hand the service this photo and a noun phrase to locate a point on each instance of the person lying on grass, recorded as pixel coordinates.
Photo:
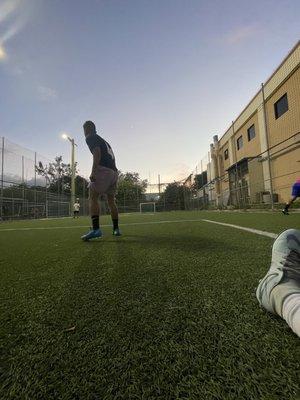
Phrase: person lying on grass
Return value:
(279, 291)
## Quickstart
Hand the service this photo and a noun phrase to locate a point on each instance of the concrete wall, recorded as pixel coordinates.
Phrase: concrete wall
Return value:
(284, 165)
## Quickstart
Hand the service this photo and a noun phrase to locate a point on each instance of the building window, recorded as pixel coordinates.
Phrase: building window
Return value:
(281, 106)
(226, 155)
(251, 133)
(239, 142)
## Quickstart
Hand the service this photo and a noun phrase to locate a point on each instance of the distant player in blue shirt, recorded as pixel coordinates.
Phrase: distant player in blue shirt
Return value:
(104, 179)
(295, 195)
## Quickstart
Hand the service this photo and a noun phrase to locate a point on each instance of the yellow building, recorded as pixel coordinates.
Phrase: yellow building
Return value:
(259, 154)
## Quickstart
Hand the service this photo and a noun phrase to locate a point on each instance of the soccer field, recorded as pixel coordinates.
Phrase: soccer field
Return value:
(167, 311)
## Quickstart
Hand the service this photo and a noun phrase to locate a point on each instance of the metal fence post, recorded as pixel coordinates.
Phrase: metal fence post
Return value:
(268, 146)
(2, 179)
(23, 188)
(73, 188)
(236, 168)
(35, 216)
(46, 199)
(209, 186)
(83, 195)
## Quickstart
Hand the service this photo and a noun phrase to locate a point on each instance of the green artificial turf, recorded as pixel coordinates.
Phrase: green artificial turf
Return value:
(167, 311)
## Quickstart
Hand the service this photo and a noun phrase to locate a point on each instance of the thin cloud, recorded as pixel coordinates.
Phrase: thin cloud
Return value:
(12, 30)
(7, 8)
(241, 34)
(46, 93)
(17, 71)
(12, 21)
(178, 172)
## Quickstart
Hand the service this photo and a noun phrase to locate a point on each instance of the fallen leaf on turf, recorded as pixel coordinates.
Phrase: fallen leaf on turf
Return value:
(71, 329)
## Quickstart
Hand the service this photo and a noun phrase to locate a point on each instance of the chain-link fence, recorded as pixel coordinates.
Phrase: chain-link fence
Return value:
(261, 181)
(31, 187)
(25, 192)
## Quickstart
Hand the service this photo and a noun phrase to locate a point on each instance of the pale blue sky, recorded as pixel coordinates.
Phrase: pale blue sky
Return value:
(158, 77)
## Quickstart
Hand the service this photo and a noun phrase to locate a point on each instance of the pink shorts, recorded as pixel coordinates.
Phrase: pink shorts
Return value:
(106, 181)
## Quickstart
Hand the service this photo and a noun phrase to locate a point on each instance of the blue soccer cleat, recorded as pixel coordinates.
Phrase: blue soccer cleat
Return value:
(92, 234)
(116, 232)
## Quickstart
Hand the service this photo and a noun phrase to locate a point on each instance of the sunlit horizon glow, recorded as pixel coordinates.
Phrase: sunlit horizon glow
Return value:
(3, 55)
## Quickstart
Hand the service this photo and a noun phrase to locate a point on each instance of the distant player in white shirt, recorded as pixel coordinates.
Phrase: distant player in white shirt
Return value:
(76, 208)
(279, 291)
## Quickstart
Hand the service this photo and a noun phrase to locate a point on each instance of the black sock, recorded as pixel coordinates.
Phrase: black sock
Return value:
(95, 222)
(116, 223)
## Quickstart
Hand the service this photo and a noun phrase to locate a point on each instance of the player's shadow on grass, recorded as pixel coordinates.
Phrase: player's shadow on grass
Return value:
(186, 243)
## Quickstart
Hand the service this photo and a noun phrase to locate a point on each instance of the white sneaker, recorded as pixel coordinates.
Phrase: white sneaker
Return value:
(285, 263)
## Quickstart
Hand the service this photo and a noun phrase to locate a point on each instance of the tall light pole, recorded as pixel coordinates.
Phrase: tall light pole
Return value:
(72, 141)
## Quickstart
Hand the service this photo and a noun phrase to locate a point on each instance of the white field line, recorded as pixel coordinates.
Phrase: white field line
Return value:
(256, 231)
(51, 219)
(243, 228)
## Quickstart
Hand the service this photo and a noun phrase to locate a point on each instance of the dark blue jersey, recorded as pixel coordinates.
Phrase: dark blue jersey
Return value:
(107, 156)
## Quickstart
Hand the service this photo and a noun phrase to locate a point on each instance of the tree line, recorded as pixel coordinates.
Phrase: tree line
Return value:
(57, 181)
(131, 188)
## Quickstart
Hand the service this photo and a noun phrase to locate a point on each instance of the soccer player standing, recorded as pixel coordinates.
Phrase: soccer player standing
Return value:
(295, 194)
(104, 178)
(76, 208)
